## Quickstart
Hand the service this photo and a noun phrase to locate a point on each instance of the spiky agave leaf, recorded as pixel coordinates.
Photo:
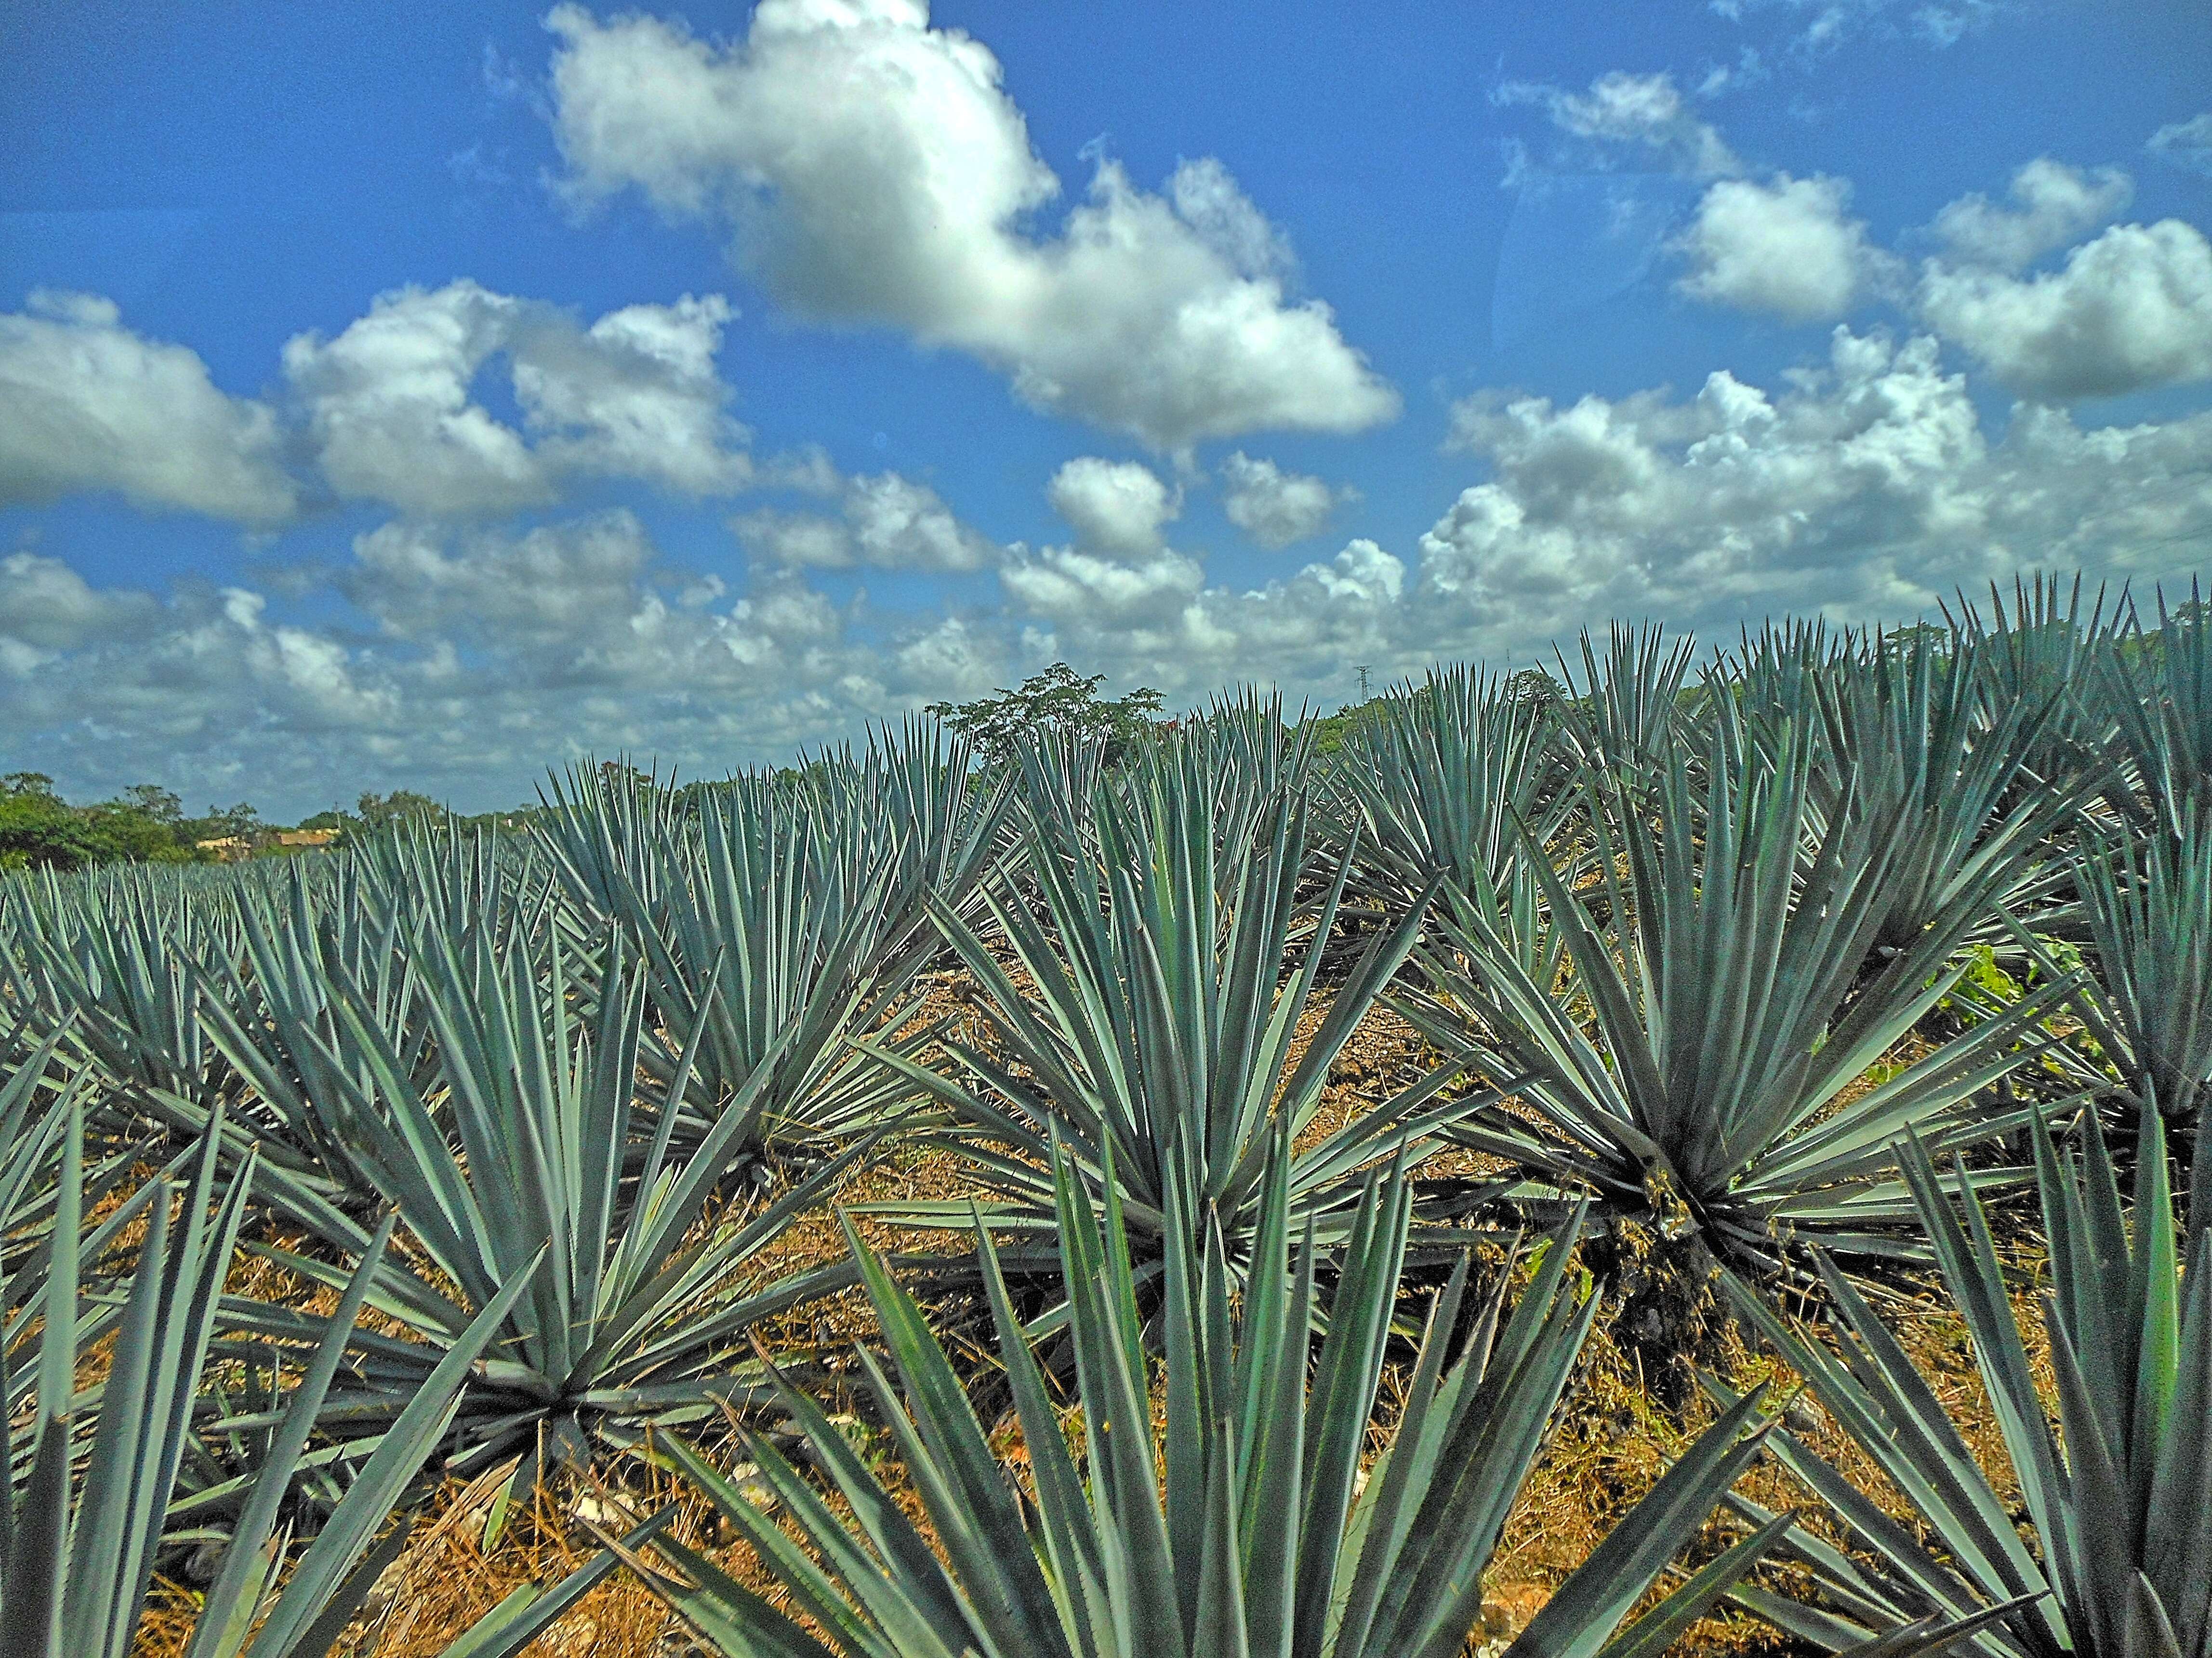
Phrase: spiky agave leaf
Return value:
(2044, 648)
(1265, 1537)
(1634, 705)
(635, 1316)
(770, 934)
(107, 953)
(1911, 737)
(2159, 688)
(1160, 1020)
(1445, 780)
(1718, 968)
(76, 1558)
(2149, 1003)
(2116, 1561)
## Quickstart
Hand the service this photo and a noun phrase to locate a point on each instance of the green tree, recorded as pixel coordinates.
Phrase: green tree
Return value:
(380, 811)
(37, 827)
(1058, 700)
(40, 829)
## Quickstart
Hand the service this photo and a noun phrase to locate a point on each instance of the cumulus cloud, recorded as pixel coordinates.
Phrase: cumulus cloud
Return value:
(490, 654)
(1115, 508)
(886, 522)
(1787, 246)
(2130, 310)
(124, 685)
(92, 405)
(391, 404)
(1868, 489)
(1643, 118)
(47, 608)
(2050, 205)
(1275, 508)
(874, 171)
(2186, 143)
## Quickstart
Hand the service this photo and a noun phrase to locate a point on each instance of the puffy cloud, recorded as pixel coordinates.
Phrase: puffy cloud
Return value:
(1786, 246)
(119, 686)
(1869, 490)
(1123, 600)
(875, 172)
(1115, 508)
(2186, 143)
(391, 406)
(2052, 204)
(495, 654)
(92, 405)
(1275, 508)
(47, 608)
(888, 522)
(1645, 115)
(2130, 310)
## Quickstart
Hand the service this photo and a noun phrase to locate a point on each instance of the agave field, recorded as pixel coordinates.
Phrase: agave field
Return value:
(1693, 1151)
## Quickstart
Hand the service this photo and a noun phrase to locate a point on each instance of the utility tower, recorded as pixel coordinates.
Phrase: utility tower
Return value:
(1361, 670)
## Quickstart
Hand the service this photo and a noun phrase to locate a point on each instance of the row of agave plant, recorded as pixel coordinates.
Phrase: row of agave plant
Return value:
(1841, 956)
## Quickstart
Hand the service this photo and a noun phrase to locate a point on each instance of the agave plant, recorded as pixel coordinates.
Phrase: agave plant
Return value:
(2159, 690)
(1636, 706)
(1160, 1023)
(2149, 1007)
(1719, 968)
(639, 1307)
(917, 808)
(2115, 1560)
(773, 927)
(2044, 649)
(1270, 1535)
(78, 1557)
(1454, 780)
(1911, 737)
(111, 954)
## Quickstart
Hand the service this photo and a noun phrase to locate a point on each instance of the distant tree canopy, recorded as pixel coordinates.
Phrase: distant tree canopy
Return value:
(39, 829)
(1059, 700)
(376, 812)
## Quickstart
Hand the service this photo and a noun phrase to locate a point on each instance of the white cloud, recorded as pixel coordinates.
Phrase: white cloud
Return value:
(2130, 310)
(391, 406)
(874, 171)
(91, 405)
(1115, 508)
(1117, 600)
(888, 522)
(2052, 204)
(47, 608)
(2186, 143)
(1869, 490)
(495, 654)
(1644, 115)
(1786, 246)
(1275, 508)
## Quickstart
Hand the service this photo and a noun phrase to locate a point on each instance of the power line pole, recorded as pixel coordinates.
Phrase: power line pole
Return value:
(1361, 670)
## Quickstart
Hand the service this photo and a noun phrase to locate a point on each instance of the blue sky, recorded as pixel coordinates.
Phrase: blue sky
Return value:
(424, 406)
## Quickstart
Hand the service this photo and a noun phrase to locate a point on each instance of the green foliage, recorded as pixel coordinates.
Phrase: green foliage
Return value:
(1060, 703)
(1695, 1066)
(523, 1145)
(1158, 1026)
(39, 831)
(1263, 1537)
(2116, 1561)
(76, 1566)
